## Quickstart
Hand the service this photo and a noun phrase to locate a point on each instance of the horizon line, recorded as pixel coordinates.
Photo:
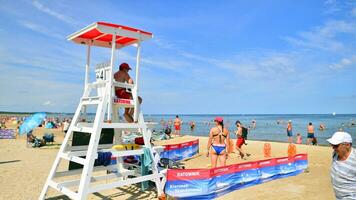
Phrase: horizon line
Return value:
(12, 112)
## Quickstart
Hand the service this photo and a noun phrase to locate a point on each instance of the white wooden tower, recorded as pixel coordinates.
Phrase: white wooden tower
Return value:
(100, 95)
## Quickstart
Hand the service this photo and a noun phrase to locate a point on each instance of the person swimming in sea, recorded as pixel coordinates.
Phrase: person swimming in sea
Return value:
(322, 126)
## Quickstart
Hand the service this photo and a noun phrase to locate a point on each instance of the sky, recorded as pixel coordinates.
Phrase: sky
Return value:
(206, 57)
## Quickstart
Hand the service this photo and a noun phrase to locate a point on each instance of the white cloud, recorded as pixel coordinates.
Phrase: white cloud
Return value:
(331, 7)
(353, 12)
(335, 7)
(162, 43)
(166, 63)
(253, 64)
(324, 37)
(198, 57)
(40, 29)
(34, 91)
(48, 103)
(53, 13)
(329, 2)
(261, 65)
(344, 62)
(42, 61)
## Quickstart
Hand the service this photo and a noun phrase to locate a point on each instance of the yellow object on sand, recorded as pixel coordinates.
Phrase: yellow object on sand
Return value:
(121, 147)
(14, 122)
(267, 150)
(292, 150)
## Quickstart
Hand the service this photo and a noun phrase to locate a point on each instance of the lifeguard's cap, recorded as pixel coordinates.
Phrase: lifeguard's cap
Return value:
(218, 119)
(340, 137)
(125, 66)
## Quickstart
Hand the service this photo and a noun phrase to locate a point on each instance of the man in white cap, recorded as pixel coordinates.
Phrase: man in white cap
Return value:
(343, 168)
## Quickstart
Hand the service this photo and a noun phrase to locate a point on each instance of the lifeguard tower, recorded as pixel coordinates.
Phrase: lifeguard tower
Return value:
(100, 95)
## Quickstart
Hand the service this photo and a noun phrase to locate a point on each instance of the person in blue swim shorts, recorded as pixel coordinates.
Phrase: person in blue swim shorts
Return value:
(310, 135)
(289, 131)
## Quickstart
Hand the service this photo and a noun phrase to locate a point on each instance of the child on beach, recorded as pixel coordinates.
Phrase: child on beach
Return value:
(299, 138)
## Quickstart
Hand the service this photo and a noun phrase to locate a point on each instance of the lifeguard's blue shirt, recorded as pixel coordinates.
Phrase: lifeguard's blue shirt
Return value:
(343, 176)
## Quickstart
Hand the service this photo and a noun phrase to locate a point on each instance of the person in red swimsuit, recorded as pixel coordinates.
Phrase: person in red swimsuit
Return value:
(123, 76)
(177, 124)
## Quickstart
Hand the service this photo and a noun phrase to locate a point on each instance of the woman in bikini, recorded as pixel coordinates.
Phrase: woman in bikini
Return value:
(217, 143)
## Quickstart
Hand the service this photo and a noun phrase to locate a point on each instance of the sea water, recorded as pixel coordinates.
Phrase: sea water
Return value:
(269, 127)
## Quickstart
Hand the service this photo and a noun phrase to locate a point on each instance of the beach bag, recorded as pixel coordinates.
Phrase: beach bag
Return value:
(48, 137)
(104, 158)
(131, 160)
(38, 143)
(139, 141)
(170, 164)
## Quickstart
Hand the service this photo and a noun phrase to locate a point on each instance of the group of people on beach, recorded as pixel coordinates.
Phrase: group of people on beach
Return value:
(311, 139)
(167, 127)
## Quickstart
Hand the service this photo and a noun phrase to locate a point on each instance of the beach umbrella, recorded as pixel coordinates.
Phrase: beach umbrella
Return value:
(32, 122)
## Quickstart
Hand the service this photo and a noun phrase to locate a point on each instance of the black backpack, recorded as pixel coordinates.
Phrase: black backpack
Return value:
(168, 131)
(244, 132)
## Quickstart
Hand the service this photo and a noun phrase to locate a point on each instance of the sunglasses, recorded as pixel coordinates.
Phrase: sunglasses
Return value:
(337, 145)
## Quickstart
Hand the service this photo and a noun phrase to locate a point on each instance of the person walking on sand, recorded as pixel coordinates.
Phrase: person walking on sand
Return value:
(218, 143)
(289, 131)
(311, 135)
(123, 76)
(343, 167)
(177, 125)
(65, 125)
(240, 139)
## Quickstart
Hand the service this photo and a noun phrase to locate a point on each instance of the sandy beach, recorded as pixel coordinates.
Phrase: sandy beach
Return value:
(23, 171)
